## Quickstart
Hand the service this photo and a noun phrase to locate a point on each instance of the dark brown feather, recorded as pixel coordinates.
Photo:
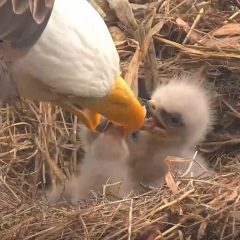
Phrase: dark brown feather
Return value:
(23, 21)
(20, 6)
(8, 87)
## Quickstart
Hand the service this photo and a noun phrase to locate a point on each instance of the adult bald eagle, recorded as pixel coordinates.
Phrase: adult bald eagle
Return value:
(61, 51)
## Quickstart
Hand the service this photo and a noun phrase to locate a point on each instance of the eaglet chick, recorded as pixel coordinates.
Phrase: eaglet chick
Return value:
(180, 118)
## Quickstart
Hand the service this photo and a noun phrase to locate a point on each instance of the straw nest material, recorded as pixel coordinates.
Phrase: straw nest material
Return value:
(39, 144)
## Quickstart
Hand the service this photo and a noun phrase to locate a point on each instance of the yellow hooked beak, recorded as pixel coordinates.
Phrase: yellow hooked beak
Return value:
(120, 106)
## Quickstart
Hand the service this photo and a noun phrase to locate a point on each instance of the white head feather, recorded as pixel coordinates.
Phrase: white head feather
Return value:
(75, 55)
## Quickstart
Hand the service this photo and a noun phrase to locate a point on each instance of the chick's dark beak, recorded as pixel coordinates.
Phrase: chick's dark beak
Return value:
(154, 123)
(103, 125)
(151, 108)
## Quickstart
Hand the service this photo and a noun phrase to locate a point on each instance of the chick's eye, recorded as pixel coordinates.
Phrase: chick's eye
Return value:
(175, 120)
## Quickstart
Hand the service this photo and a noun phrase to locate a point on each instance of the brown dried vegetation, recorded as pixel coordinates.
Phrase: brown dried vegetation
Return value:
(39, 144)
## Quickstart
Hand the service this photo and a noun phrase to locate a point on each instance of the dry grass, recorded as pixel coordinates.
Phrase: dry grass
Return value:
(39, 143)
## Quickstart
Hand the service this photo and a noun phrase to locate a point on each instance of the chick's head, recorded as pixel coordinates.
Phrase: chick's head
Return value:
(181, 112)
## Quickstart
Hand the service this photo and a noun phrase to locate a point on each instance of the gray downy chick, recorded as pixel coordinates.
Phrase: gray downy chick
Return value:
(181, 116)
(105, 162)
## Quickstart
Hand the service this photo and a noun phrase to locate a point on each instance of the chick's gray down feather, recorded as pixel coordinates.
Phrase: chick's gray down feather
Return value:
(181, 117)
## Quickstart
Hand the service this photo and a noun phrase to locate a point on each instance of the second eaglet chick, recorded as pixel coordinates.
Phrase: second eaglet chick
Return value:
(180, 118)
(105, 162)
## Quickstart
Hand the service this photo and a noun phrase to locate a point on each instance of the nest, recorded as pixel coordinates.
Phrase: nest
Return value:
(39, 144)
